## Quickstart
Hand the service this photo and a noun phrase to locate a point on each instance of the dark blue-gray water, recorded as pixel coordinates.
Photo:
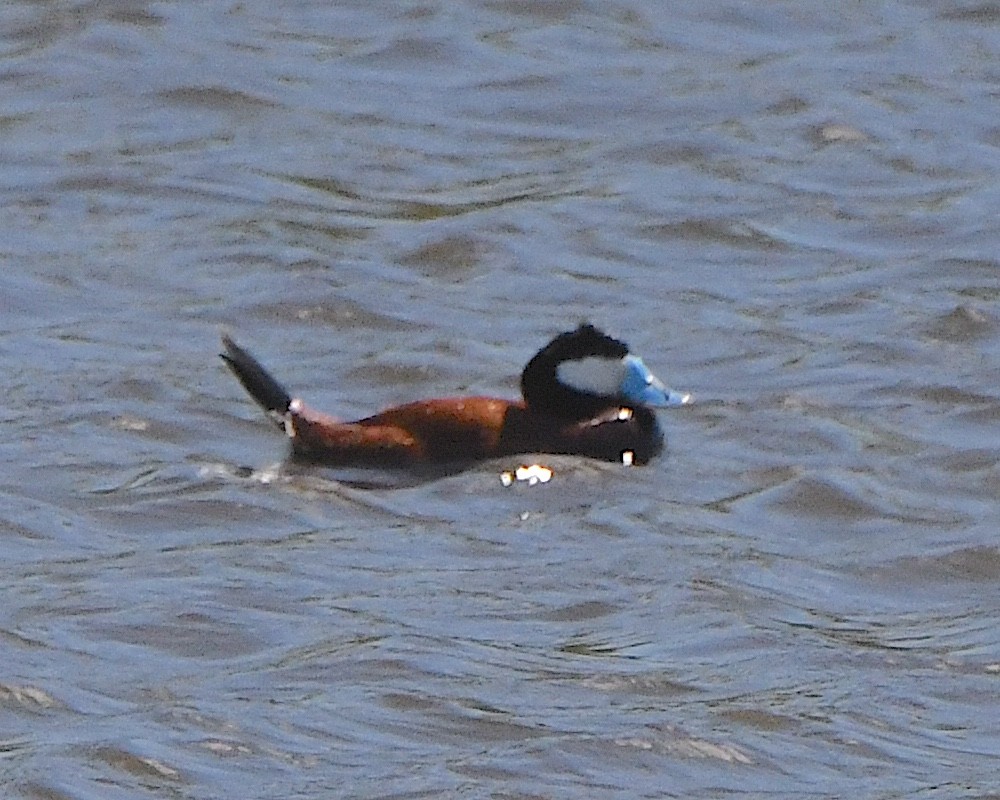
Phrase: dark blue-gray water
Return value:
(789, 209)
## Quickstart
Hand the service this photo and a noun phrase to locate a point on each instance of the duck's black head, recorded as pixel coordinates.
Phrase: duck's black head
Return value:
(582, 373)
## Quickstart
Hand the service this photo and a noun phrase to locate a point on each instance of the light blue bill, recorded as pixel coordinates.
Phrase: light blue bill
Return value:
(642, 386)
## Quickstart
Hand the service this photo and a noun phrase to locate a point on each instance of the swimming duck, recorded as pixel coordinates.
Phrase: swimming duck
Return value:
(583, 394)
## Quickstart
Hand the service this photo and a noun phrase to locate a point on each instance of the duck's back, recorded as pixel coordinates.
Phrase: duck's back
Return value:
(449, 428)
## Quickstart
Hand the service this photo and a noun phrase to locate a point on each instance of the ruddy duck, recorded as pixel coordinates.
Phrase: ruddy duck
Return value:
(584, 394)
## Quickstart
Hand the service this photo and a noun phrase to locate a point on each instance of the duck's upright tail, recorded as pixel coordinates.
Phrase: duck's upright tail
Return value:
(269, 394)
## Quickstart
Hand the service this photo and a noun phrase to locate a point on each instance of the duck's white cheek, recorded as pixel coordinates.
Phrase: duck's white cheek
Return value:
(594, 375)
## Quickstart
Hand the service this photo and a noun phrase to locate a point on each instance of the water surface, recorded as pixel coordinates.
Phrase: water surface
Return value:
(789, 210)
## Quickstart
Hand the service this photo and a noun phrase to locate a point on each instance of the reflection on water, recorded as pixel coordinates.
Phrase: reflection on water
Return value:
(790, 211)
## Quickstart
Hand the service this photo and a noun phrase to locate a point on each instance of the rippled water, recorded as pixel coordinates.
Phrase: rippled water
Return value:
(788, 209)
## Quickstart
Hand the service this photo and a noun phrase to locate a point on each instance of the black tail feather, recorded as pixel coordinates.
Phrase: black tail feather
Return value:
(269, 394)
